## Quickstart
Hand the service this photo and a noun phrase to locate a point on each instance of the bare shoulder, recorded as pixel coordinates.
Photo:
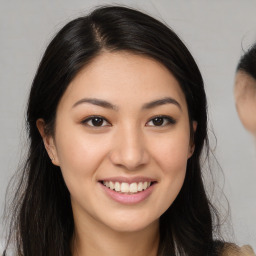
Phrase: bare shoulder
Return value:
(231, 249)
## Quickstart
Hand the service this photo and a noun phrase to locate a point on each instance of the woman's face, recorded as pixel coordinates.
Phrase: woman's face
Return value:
(122, 140)
(245, 98)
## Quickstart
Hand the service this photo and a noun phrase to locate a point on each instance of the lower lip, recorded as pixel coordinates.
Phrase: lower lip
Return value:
(128, 198)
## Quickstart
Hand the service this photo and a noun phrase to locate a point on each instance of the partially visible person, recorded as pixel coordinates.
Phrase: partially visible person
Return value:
(245, 99)
(245, 90)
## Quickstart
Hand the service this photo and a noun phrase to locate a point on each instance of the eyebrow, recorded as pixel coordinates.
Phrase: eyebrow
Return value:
(160, 102)
(108, 105)
(97, 102)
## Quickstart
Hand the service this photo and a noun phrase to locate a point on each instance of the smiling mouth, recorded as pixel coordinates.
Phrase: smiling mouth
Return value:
(126, 188)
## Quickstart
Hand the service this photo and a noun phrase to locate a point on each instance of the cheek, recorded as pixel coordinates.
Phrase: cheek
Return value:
(79, 156)
(247, 114)
(172, 157)
(173, 164)
(172, 154)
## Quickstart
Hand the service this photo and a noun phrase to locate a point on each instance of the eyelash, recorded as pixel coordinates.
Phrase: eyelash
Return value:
(167, 120)
(91, 118)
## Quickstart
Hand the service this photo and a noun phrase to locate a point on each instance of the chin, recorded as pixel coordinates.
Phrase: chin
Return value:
(132, 224)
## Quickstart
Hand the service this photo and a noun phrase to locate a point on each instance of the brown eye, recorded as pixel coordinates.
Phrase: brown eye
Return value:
(96, 121)
(161, 121)
(158, 121)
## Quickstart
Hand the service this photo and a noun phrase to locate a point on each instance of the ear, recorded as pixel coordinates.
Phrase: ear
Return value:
(191, 148)
(48, 140)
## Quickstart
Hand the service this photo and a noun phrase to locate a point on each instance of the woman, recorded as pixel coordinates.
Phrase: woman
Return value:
(117, 123)
(245, 90)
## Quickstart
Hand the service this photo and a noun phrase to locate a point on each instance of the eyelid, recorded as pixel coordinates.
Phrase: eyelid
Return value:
(89, 118)
(171, 120)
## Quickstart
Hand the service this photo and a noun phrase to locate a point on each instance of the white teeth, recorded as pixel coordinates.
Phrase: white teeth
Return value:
(125, 187)
(140, 186)
(117, 186)
(111, 185)
(133, 188)
(145, 185)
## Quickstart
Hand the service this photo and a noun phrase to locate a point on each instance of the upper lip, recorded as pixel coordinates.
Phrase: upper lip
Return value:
(129, 180)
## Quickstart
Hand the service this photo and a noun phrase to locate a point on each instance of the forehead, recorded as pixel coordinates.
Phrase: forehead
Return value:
(245, 97)
(244, 85)
(119, 75)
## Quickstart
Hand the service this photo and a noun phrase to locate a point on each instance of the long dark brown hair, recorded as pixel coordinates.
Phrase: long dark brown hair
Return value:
(42, 221)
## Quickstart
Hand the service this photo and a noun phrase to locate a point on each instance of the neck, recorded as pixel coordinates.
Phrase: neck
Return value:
(98, 240)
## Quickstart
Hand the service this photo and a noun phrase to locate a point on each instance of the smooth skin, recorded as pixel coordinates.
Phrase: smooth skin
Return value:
(245, 98)
(123, 115)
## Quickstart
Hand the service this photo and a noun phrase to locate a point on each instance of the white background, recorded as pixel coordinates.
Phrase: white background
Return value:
(214, 31)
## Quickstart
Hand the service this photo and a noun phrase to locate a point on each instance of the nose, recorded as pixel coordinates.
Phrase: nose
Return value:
(129, 151)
